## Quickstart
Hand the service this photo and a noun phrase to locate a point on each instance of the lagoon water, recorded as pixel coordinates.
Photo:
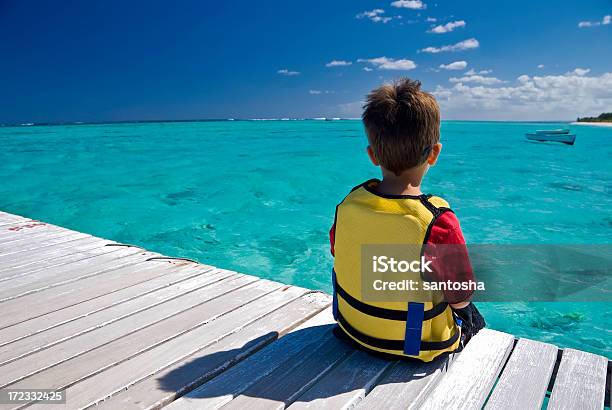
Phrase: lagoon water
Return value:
(259, 196)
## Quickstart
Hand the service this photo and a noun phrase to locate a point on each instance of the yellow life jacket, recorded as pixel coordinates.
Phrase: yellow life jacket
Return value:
(422, 330)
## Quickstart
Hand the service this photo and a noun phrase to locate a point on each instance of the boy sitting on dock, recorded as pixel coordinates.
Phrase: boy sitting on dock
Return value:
(402, 123)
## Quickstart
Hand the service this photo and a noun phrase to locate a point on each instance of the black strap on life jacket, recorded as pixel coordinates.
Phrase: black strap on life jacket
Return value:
(382, 313)
(413, 317)
(388, 344)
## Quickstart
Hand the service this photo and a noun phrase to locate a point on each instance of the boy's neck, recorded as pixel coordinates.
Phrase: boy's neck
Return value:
(407, 183)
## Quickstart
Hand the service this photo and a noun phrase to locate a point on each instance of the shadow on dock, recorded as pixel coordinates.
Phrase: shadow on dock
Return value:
(306, 365)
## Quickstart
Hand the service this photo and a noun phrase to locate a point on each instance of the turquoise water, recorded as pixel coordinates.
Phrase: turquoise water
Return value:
(259, 196)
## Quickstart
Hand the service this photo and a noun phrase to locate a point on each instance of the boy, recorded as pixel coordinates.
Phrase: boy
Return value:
(402, 123)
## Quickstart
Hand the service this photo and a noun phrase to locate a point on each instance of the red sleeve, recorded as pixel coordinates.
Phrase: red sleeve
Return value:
(332, 239)
(448, 252)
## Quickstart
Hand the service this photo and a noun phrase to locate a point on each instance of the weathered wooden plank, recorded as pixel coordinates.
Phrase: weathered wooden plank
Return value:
(290, 380)
(60, 297)
(22, 228)
(406, 384)
(75, 312)
(105, 317)
(26, 228)
(37, 248)
(19, 227)
(469, 380)
(31, 238)
(113, 342)
(26, 284)
(40, 267)
(221, 389)
(215, 358)
(122, 375)
(345, 385)
(525, 379)
(580, 382)
(14, 240)
(9, 263)
(7, 217)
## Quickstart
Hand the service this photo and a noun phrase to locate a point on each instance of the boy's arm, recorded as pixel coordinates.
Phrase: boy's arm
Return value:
(451, 260)
(454, 264)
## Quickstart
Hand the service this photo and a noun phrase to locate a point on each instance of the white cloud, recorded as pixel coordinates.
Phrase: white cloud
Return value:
(478, 79)
(287, 72)
(448, 27)
(460, 46)
(456, 65)
(384, 63)
(375, 16)
(431, 19)
(580, 71)
(523, 78)
(409, 4)
(370, 14)
(549, 97)
(540, 65)
(351, 109)
(318, 92)
(474, 72)
(606, 20)
(338, 63)
(368, 69)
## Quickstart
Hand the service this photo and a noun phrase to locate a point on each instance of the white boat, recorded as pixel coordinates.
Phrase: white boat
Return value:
(565, 138)
(557, 131)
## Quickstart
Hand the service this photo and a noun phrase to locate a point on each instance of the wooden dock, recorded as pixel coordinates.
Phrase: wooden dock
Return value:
(119, 327)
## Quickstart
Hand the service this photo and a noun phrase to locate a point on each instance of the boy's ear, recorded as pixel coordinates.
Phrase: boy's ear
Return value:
(372, 156)
(433, 155)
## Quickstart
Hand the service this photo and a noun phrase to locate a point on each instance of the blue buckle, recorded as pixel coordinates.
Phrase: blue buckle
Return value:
(414, 328)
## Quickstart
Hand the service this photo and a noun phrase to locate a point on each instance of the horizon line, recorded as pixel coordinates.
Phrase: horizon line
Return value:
(34, 124)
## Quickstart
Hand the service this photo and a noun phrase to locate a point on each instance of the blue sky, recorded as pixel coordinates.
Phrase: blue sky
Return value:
(145, 60)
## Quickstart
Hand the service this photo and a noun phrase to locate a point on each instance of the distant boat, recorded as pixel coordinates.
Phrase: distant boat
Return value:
(557, 131)
(552, 135)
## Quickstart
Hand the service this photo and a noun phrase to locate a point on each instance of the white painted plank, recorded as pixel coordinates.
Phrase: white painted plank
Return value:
(525, 379)
(32, 238)
(60, 297)
(26, 228)
(345, 385)
(38, 248)
(469, 380)
(26, 284)
(13, 240)
(8, 263)
(105, 317)
(122, 375)
(222, 389)
(406, 384)
(580, 382)
(157, 323)
(75, 312)
(41, 267)
(220, 357)
(21, 228)
(290, 380)
(7, 217)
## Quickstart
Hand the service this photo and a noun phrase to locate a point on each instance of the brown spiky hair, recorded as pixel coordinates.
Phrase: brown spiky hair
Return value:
(402, 123)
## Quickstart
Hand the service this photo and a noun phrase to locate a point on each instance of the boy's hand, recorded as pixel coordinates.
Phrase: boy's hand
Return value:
(471, 321)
